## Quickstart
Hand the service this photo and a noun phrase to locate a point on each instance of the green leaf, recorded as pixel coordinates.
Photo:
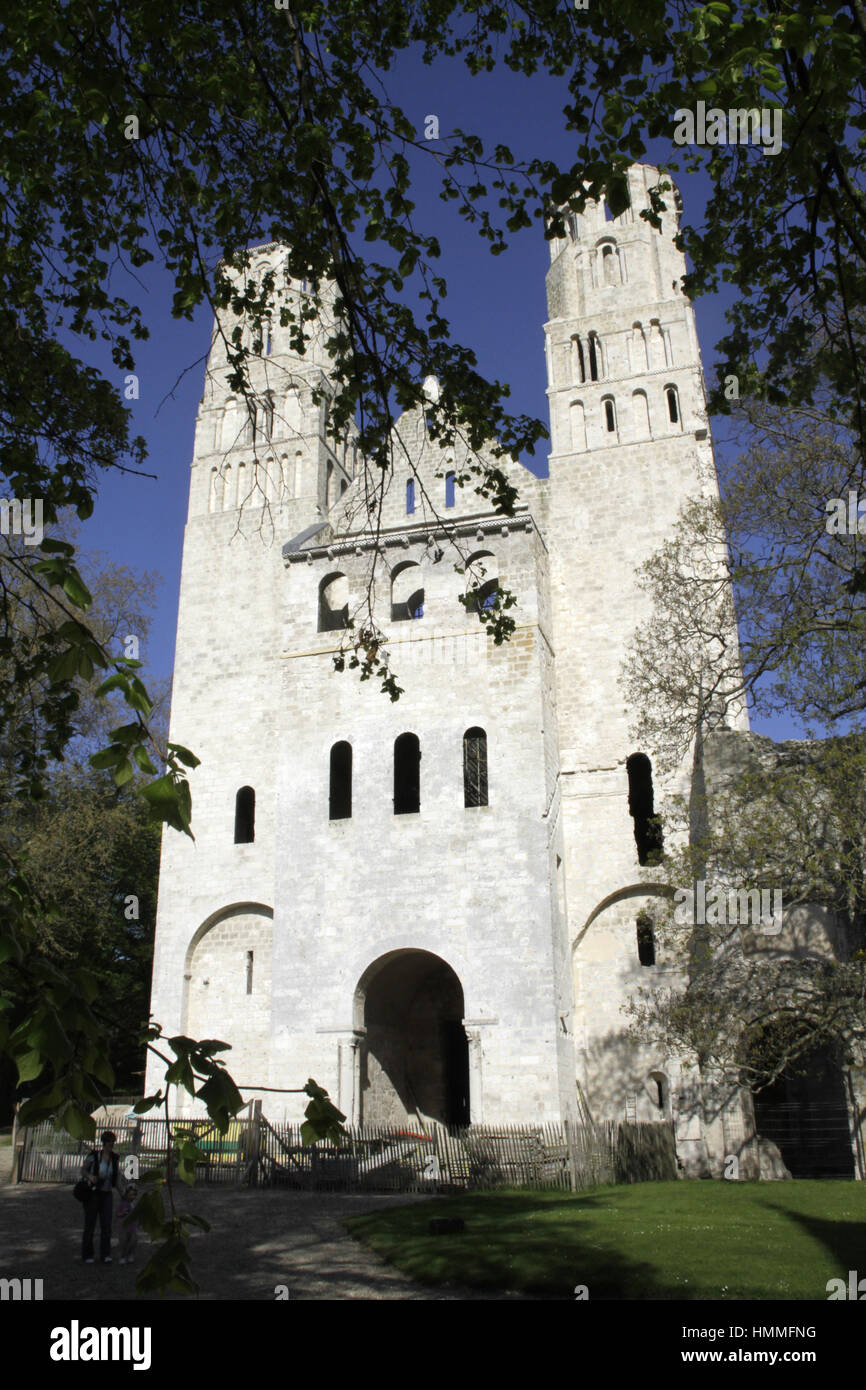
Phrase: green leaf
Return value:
(29, 1066)
(75, 589)
(76, 1122)
(183, 755)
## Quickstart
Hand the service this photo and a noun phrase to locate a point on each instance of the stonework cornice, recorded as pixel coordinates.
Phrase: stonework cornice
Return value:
(406, 536)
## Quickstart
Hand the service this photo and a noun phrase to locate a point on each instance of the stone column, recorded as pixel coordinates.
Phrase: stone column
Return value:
(349, 1076)
(476, 1102)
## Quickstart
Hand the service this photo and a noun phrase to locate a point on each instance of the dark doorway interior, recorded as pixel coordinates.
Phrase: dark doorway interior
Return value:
(805, 1114)
(416, 1057)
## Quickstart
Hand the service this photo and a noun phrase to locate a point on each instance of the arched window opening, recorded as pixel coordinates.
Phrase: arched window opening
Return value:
(333, 603)
(214, 500)
(449, 489)
(646, 942)
(343, 486)
(638, 349)
(609, 416)
(329, 486)
(407, 775)
(647, 826)
(250, 423)
(657, 349)
(475, 768)
(660, 1088)
(485, 595)
(410, 496)
(293, 411)
(407, 592)
(483, 580)
(578, 426)
(266, 408)
(249, 972)
(640, 415)
(245, 816)
(609, 265)
(340, 800)
(673, 405)
(228, 433)
(267, 337)
(229, 498)
(581, 363)
(596, 362)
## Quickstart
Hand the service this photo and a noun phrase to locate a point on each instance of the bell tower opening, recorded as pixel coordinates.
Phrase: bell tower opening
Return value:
(415, 1055)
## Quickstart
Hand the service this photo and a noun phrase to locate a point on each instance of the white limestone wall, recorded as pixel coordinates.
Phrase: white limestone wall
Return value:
(470, 885)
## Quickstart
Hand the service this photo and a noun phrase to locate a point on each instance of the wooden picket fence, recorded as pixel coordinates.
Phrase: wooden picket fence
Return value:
(374, 1158)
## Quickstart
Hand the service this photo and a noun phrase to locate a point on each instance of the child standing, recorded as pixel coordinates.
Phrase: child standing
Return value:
(128, 1226)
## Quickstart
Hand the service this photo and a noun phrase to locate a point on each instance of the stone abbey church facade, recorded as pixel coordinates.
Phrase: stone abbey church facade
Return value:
(430, 905)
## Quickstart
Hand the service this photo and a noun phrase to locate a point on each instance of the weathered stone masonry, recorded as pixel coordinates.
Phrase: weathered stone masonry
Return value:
(457, 961)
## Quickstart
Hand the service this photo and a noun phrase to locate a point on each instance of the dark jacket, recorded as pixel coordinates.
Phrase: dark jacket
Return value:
(91, 1166)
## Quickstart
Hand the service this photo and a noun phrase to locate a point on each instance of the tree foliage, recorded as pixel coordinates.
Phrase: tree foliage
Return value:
(753, 601)
(161, 132)
(779, 818)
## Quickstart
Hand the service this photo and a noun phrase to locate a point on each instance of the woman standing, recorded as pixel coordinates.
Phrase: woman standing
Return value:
(102, 1171)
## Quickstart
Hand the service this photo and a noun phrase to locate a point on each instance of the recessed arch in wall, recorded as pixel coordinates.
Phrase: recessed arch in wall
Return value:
(409, 1008)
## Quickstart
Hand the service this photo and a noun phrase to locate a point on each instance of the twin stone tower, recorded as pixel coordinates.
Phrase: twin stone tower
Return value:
(430, 905)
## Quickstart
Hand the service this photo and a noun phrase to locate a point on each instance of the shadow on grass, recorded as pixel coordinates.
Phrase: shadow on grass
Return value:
(538, 1247)
(844, 1241)
(653, 1241)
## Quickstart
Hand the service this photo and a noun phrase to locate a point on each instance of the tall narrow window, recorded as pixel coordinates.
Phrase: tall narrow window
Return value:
(595, 365)
(581, 364)
(673, 405)
(646, 942)
(229, 433)
(609, 417)
(578, 426)
(249, 972)
(245, 816)
(449, 489)
(647, 827)
(407, 775)
(640, 415)
(410, 496)
(609, 266)
(475, 768)
(340, 806)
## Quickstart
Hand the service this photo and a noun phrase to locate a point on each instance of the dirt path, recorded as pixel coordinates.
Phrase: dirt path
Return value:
(260, 1239)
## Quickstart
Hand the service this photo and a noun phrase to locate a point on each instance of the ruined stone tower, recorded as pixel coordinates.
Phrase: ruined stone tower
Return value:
(430, 905)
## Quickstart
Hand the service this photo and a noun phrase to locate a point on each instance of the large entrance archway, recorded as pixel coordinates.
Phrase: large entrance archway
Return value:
(805, 1114)
(415, 1055)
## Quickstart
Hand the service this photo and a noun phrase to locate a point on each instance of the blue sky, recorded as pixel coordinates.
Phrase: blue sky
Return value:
(496, 306)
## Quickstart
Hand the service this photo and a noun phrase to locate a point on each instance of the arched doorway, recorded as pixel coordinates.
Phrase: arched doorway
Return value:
(804, 1112)
(415, 1055)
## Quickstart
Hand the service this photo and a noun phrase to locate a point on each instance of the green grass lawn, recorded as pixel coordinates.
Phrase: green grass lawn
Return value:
(661, 1240)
